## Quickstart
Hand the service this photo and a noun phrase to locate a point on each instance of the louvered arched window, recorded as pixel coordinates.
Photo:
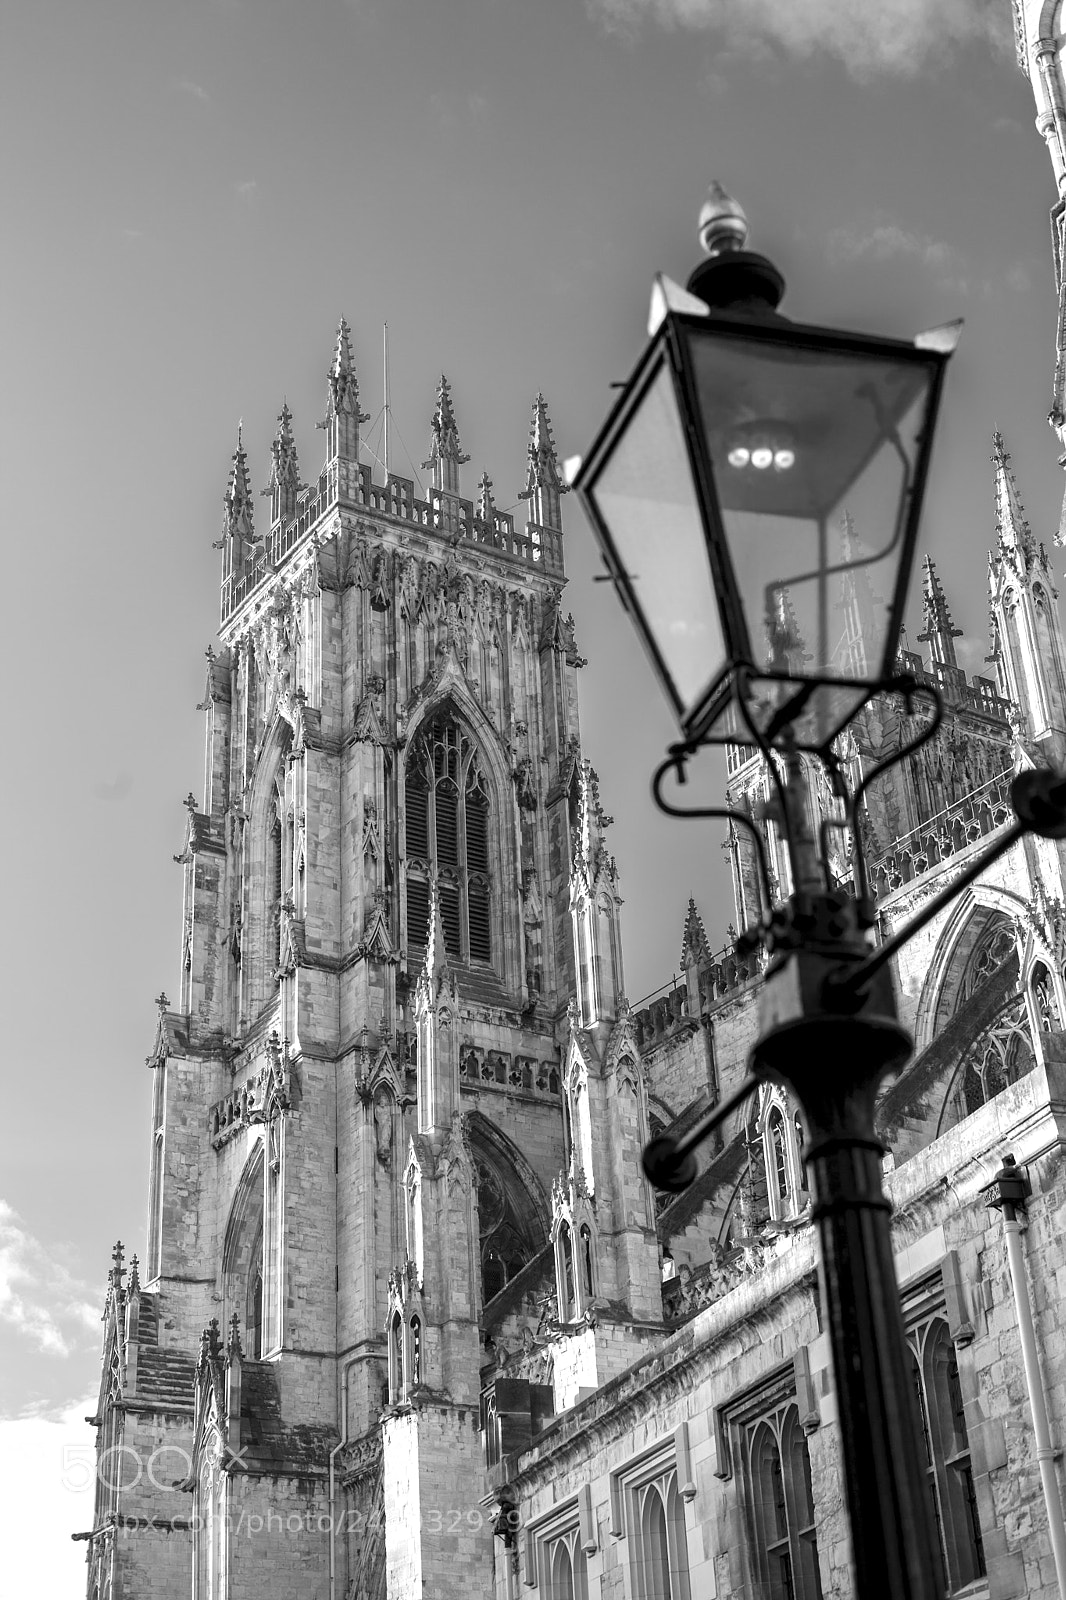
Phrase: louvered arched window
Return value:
(949, 1474)
(782, 1505)
(447, 833)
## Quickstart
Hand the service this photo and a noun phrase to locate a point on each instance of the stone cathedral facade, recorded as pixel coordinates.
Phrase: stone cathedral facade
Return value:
(410, 1321)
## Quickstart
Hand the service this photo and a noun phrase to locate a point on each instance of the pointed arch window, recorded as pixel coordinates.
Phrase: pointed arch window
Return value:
(660, 1546)
(564, 1272)
(267, 883)
(781, 1154)
(949, 1475)
(253, 1314)
(396, 1358)
(415, 1377)
(274, 891)
(510, 1229)
(983, 983)
(565, 1567)
(447, 834)
(1045, 1006)
(252, 1257)
(785, 1546)
(588, 1276)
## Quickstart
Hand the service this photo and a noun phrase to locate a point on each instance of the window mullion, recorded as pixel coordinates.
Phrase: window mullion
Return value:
(431, 824)
(464, 874)
(791, 1540)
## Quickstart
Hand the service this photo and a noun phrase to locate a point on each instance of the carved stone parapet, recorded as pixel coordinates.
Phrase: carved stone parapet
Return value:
(943, 836)
(498, 1069)
(257, 1101)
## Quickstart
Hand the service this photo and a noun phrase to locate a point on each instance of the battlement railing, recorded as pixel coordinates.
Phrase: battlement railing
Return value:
(346, 483)
(667, 1013)
(977, 695)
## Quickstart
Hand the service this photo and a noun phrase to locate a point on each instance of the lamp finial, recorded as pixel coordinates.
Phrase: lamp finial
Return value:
(723, 225)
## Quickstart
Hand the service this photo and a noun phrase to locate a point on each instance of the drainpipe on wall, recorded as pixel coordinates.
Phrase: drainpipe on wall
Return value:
(1008, 1192)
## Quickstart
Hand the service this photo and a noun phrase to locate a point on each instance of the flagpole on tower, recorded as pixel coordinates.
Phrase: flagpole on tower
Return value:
(385, 429)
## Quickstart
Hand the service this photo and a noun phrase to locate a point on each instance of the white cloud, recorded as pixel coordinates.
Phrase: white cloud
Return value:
(47, 1491)
(882, 240)
(186, 86)
(39, 1299)
(869, 37)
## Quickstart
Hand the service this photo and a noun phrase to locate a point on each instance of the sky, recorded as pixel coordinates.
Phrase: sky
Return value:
(193, 195)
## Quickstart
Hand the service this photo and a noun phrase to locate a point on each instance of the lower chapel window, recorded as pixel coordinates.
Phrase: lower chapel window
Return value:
(564, 1566)
(778, 1472)
(935, 1374)
(447, 834)
(655, 1526)
(762, 1442)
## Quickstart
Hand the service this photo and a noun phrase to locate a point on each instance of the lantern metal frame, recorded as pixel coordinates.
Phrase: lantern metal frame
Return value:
(671, 347)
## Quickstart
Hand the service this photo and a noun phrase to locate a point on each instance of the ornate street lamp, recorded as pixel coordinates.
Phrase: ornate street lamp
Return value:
(757, 484)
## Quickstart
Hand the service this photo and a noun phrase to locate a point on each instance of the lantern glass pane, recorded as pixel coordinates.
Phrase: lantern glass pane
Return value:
(644, 495)
(814, 452)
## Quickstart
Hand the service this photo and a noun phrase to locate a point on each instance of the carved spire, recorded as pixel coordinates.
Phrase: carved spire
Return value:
(1014, 536)
(590, 847)
(436, 1016)
(210, 1344)
(118, 1270)
(213, 1337)
(940, 632)
(237, 520)
(1027, 644)
(860, 645)
(233, 1342)
(486, 502)
(594, 908)
(544, 485)
(785, 641)
(135, 1276)
(284, 484)
(445, 451)
(435, 967)
(694, 945)
(343, 385)
(343, 415)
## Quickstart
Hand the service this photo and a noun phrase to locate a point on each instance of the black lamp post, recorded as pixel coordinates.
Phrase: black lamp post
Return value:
(752, 471)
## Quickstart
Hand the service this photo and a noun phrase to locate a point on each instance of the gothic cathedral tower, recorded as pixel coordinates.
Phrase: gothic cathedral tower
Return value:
(393, 887)
(1038, 37)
